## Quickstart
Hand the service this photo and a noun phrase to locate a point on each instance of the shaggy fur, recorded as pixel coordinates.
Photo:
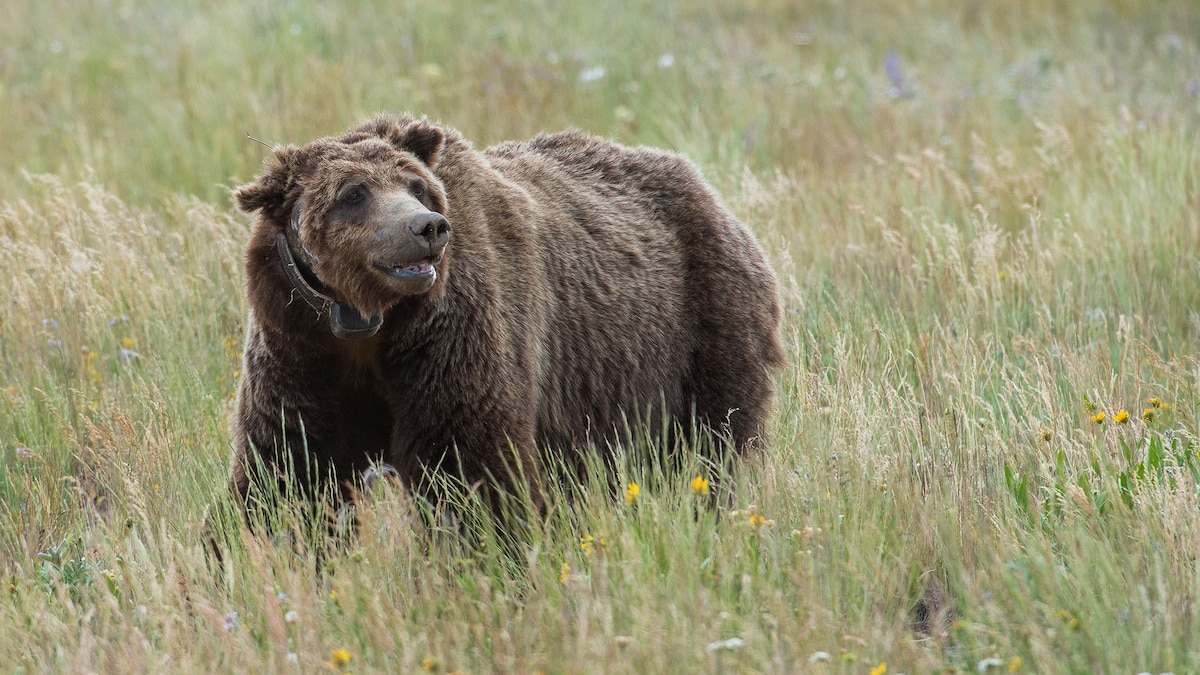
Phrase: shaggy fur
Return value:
(583, 283)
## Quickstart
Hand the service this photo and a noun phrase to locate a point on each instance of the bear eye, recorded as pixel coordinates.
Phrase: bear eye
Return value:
(354, 194)
(418, 189)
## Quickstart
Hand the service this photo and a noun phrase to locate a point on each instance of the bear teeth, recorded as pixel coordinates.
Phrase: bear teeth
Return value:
(419, 269)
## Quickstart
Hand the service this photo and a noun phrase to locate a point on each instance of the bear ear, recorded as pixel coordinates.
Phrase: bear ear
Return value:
(268, 193)
(419, 137)
(423, 140)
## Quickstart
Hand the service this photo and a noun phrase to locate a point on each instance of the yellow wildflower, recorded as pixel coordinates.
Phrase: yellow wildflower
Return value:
(564, 573)
(127, 343)
(631, 493)
(1098, 418)
(1122, 417)
(430, 664)
(1070, 619)
(1154, 403)
(1148, 415)
(880, 669)
(1014, 665)
(587, 544)
(231, 350)
(700, 486)
(339, 658)
(89, 365)
(757, 519)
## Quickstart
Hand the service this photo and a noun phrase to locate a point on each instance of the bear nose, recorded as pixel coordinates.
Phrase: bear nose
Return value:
(430, 229)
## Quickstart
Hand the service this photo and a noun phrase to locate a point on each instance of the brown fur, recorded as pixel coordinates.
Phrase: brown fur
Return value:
(583, 283)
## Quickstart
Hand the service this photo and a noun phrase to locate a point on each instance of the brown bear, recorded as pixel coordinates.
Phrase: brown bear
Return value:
(419, 302)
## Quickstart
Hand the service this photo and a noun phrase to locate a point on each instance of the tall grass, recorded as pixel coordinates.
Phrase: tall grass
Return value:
(983, 216)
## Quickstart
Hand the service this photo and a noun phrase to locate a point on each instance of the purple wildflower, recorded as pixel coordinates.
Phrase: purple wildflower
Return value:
(891, 67)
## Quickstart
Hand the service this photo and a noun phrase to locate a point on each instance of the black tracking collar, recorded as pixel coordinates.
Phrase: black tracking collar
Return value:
(344, 321)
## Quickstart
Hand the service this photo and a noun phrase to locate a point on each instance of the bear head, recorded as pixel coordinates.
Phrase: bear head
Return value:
(360, 216)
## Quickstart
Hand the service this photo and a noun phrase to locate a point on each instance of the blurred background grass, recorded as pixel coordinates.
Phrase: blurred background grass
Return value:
(156, 99)
(983, 216)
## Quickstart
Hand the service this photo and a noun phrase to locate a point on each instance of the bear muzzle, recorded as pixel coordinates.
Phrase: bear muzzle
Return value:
(409, 253)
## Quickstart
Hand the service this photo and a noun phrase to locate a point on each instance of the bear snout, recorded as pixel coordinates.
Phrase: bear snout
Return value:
(430, 230)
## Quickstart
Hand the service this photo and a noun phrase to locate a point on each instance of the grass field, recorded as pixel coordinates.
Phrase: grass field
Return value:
(984, 220)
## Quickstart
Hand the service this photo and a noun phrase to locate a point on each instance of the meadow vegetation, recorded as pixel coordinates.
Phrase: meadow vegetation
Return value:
(984, 220)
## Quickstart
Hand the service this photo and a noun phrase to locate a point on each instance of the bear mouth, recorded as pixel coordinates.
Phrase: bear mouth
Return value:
(424, 268)
(419, 271)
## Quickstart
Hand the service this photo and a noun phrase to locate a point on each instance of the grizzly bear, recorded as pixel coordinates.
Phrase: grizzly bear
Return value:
(421, 303)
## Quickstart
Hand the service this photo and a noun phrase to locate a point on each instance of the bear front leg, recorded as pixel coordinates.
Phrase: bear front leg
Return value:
(285, 435)
(489, 447)
(281, 463)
